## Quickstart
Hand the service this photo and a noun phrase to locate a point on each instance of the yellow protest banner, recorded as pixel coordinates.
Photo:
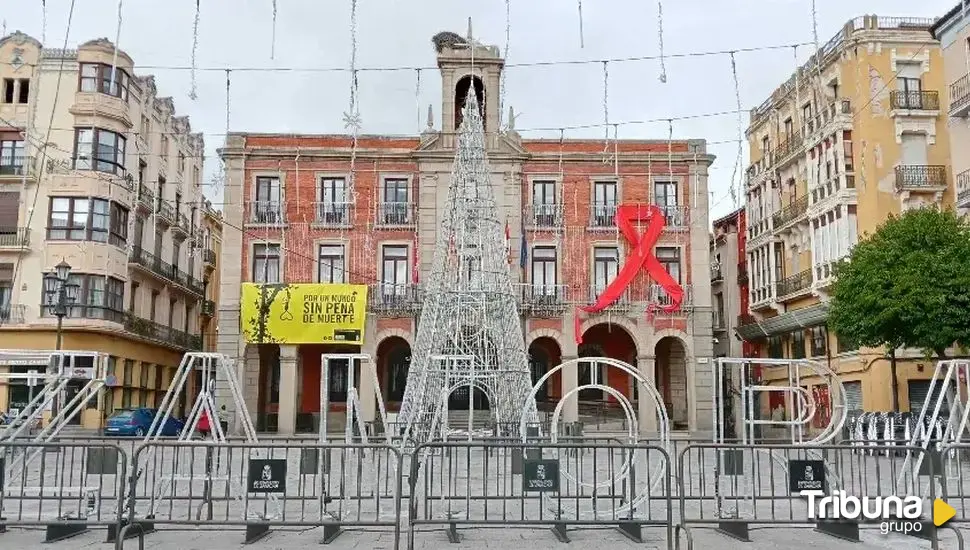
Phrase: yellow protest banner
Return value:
(303, 313)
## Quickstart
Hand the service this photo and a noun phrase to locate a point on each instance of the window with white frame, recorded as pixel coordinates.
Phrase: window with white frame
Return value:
(604, 203)
(544, 203)
(268, 208)
(544, 270)
(266, 263)
(330, 262)
(606, 264)
(394, 269)
(394, 207)
(333, 207)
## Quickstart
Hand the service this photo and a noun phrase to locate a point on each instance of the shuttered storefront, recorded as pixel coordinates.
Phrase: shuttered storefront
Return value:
(918, 396)
(853, 397)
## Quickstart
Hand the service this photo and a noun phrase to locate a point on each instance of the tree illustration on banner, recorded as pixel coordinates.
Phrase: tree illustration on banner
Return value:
(259, 324)
(641, 257)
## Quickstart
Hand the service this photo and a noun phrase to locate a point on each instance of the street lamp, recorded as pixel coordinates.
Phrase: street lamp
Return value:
(60, 295)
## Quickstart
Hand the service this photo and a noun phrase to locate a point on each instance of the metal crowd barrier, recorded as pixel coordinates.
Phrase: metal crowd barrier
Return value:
(539, 484)
(65, 487)
(262, 485)
(733, 487)
(955, 473)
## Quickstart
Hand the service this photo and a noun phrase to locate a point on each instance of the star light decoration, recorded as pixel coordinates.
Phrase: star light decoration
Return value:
(352, 121)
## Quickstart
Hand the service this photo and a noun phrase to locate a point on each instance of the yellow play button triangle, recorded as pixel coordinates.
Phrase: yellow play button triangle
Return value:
(942, 512)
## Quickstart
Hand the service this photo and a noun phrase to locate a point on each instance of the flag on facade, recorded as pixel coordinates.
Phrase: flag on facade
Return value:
(524, 249)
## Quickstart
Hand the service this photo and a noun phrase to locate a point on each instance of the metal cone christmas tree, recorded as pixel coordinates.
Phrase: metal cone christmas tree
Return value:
(469, 332)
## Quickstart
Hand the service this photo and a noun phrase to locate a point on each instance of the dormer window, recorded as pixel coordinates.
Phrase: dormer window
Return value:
(461, 93)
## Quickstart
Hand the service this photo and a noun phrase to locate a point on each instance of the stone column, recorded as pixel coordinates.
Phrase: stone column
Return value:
(569, 376)
(646, 406)
(367, 387)
(288, 381)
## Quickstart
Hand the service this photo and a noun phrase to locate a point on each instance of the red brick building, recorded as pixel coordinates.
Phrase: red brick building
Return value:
(303, 223)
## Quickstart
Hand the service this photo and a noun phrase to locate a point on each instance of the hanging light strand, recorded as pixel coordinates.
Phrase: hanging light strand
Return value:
(660, 33)
(582, 41)
(272, 44)
(43, 29)
(417, 97)
(193, 95)
(508, 34)
(606, 105)
(352, 117)
(735, 183)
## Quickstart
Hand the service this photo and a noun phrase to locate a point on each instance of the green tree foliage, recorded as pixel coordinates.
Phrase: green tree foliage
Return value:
(907, 285)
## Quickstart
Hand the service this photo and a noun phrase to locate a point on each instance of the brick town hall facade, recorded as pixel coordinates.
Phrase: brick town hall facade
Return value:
(303, 225)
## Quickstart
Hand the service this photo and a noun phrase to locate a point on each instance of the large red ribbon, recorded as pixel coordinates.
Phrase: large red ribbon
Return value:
(641, 256)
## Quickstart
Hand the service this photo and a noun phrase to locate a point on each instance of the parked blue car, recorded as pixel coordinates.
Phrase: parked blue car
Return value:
(137, 422)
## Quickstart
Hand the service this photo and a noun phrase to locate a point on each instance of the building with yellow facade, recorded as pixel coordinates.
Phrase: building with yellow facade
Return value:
(859, 132)
(953, 32)
(98, 171)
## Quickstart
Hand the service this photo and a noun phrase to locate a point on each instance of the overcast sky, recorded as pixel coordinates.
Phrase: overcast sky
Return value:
(316, 34)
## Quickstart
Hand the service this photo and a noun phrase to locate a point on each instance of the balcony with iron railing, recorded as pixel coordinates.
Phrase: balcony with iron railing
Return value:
(831, 187)
(14, 237)
(745, 319)
(394, 300)
(659, 300)
(716, 275)
(963, 189)
(146, 199)
(181, 227)
(792, 286)
(917, 100)
(333, 214)
(836, 112)
(15, 167)
(960, 97)
(542, 300)
(718, 321)
(920, 177)
(160, 268)
(789, 147)
(790, 214)
(742, 275)
(623, 303)
(264, 213)
(209, 258)
(540, 215)
(602, 215)
(165, 213)
(208, 308)
(161, 333)
(395, 214)
(676, 217)
(13, 314)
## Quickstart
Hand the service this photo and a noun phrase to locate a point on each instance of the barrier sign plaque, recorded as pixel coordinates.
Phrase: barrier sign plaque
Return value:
(806, 475)
(267, 476)
(540, 476)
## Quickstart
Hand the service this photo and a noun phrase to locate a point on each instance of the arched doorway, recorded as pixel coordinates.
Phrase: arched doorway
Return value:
(393, 364)
(671, 378)
(607, 340)
(544, 354)
(461, 92)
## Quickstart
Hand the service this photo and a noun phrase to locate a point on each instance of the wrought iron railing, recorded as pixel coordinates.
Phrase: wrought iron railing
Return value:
(333, 213)
(166, 212)
(161, 333)
(265, 212)
(394, 213)
(919, 176)
(716, 274)
(540, 214)
(391, 299)
(543, 299)
(921, 100)
(209, 257)
(602, 214)
(963, 189)
(13, 314)
(208, 308)
(156, 265)
(790, 213)
(15, 165)
(794, 284)
(145, 196)
(960, 94)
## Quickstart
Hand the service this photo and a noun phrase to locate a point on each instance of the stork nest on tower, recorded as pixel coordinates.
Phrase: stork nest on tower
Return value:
(446, 39)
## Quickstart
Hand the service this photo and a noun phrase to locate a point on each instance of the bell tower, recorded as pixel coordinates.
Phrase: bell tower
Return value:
(466, 63)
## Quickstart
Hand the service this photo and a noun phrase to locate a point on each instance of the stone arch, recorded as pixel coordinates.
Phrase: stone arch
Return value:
(544, 349)
(659, 335)
(393, 363)
(389, 332)
(631, 328)
(554, 334)
(674, 379)
(461, 92)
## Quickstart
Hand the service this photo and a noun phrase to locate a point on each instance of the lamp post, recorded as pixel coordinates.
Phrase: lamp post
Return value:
(60, 295)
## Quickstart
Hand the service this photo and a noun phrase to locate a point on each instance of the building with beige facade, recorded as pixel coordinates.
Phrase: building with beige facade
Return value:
(100, 173)
(857, 133)
(953, 32)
